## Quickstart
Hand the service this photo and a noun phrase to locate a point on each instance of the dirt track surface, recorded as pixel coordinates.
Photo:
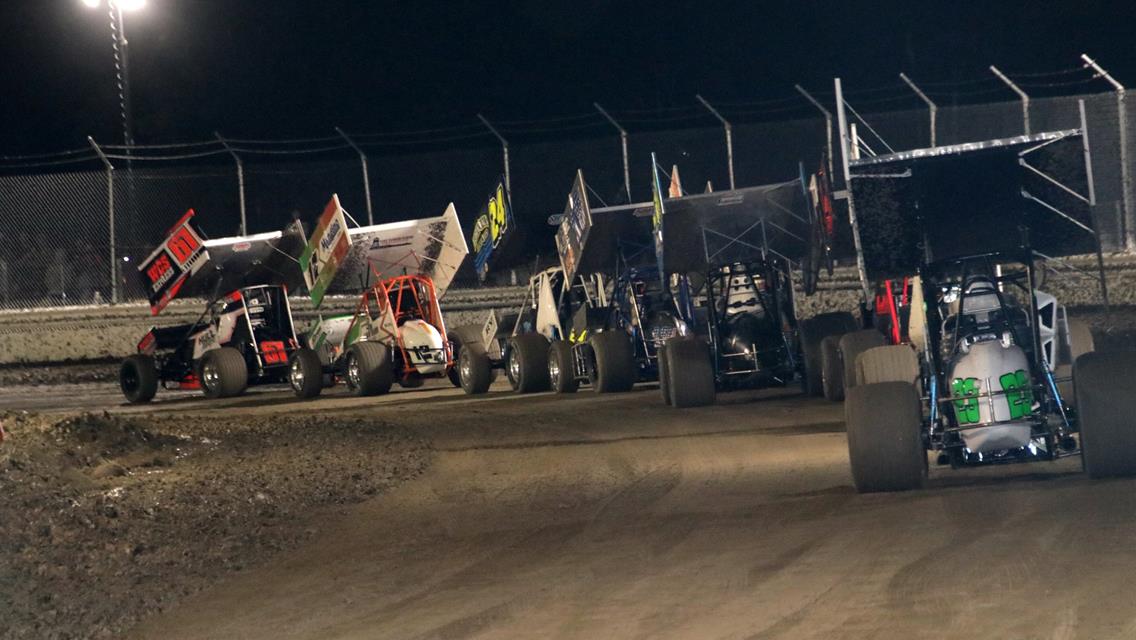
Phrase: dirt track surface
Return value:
(615, 517)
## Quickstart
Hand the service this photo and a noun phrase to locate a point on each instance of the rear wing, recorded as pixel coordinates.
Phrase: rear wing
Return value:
(341, 260)
(186, 266)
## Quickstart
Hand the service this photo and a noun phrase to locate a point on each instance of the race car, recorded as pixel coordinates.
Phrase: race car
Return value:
(977, 361)
(590, 320)
(244, 336)
(727, 261)
(396, 333)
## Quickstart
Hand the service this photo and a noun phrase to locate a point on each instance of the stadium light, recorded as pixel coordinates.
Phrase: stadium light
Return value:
(117, 8)
(121, 5)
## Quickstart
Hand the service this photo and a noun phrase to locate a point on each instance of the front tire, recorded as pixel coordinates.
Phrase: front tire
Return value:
(526, 363)
(368, 369)
(614, 362)
(305, 373)
(223, 373)
(690, 374)
(885, 440)
(561, 368)
(138, 377)
(474, 371)
(1105, 387)
(664, 373)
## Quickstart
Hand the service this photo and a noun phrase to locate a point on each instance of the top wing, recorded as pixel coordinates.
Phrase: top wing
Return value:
(341, 260)
(492, 230)
(593, 240)
(706, 230)
(938, 203)
(186, 266)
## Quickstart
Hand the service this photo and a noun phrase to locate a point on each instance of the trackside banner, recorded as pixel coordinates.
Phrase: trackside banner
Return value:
(325, 251)
(166, 269)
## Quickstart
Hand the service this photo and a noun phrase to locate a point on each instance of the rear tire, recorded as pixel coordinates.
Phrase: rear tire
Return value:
(664, 373)
(474, 370)
(690, 375)
(851, 346)
(614, 362)
(812, 331)
(832, 369)
(885, 443)
(1105, 386)
(305, 373)
(138, 377)
(467, 334)
(223, 373)
(367, 369)
(561, 368)
(526, 363)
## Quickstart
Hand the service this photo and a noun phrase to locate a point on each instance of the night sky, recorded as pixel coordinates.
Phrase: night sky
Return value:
(279, 68)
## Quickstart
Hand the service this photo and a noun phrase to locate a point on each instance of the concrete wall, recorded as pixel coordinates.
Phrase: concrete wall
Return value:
(91, 333)
(87, 333)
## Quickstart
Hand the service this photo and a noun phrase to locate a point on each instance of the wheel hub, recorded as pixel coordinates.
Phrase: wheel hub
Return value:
(296, 376)
(352, 371)
(210, 375)
(514, 366)
(554, 370)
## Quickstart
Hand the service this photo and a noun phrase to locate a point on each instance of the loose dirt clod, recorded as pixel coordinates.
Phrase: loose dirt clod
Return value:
(104, 520)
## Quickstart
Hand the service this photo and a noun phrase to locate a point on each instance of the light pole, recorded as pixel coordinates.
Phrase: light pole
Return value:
(116, 9)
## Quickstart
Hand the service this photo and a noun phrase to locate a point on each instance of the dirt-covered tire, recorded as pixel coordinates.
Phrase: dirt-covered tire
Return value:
(526, 363)
(561, 368)
(664, 373)
(889, 363)
(474, 370)
(1080, 342)
(614, 362)
(690, 374)
(885, 440)
(812, 332)
(367, 369)
(460, 337)
(852, 344)
(831, 369)
(223, 373)
(138, 378)
(1105, 385)
(305, 373)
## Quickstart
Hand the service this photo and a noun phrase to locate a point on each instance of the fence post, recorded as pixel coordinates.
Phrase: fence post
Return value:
(729, 136)
(240, 180)
(1125, 170)
(1021, 94)
(366, 175)
(623, 142)
(505, 151)
(934, 109)
(845, 150)
(110, 219)
(827, 122)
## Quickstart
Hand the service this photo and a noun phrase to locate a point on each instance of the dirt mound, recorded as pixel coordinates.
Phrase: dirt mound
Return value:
(70, 373)
(104, 520)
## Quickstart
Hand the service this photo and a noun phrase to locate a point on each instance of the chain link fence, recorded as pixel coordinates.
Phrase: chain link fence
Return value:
(73, 229)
